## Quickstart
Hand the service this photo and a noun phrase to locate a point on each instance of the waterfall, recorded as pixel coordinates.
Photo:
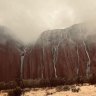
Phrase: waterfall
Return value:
(42, 62)
(89, 61)
(22, 62)
(54, 61)
(78, 61)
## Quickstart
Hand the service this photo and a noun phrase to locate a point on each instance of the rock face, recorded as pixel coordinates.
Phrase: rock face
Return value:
(62, 53)
(9, 57)
(58, 54)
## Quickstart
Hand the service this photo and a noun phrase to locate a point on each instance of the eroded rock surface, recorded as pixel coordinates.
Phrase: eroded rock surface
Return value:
(62, 53)
(9, 57)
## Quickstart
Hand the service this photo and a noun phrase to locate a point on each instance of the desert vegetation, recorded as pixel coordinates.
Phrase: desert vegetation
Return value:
(40, 83)
(18, 87)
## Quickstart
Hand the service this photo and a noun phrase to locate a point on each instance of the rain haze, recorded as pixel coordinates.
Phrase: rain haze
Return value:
(27, 19)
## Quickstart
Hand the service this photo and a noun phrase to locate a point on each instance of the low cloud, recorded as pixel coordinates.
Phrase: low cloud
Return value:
(29, 18)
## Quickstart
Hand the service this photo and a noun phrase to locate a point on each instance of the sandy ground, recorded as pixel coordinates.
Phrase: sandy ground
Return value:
(87, 90)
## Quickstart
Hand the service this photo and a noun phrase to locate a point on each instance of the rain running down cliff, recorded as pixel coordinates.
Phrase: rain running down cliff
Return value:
(62, 53)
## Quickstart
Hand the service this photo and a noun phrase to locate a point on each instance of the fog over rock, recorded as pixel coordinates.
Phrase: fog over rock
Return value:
(59, 53)
(28, 19)
(62, 53)
(10, 51)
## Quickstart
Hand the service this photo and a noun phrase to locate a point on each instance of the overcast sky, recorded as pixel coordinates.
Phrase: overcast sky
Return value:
(28, 18)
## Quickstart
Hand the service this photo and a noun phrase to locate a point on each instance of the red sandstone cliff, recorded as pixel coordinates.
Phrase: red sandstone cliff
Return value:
(9, 57)
(62, 53)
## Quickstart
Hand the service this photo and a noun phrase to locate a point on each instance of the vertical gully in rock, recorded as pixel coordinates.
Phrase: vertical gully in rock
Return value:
(55, 54)
(22, 62)
(42, 65)
(54, 50)
(78, 62)
(89, 61)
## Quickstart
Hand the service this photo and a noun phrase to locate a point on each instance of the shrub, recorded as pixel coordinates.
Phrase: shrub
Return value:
(56, 81)
(15, 92)
(63, 88)
(2, 85)
(75, 89)
(49, 93)
(10, 85)
(31, 83)
(66, 88)
(27, 83)
(92, 79)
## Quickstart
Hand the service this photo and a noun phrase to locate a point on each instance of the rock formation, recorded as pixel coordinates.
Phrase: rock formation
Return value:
(62, 53)
(58, 54)
(9, 57)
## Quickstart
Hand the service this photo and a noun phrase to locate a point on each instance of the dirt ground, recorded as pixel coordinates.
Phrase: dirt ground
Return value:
(85, 90)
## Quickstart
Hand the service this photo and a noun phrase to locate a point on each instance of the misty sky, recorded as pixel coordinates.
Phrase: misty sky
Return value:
(28, 18)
